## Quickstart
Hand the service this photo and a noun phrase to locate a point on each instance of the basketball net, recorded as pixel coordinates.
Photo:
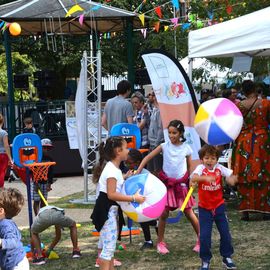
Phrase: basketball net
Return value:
(39, 169)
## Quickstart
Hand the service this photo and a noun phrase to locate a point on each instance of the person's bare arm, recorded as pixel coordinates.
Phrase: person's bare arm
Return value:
(152, 154)
(130, 119)
(7, 148)
(200, 178)
(116, 196)
(104, 121)
(56, 238)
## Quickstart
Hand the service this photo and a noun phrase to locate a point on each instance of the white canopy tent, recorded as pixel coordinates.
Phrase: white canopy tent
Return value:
(248, 35)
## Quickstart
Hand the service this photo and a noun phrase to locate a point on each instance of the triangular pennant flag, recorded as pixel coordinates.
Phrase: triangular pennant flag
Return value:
(166, 27)
(97, 7)
(229, 9)
(73, 10)
(108, 35)
(141, 17)
(175, 3)
(210, 15)
(6, 25)
(143, 31)
(157, 25)
(158, 11)
(185, 26)
(174, 20)
(81, 18)
(1, 24)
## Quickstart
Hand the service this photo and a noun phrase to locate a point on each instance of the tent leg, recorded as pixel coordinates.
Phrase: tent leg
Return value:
(190, 67)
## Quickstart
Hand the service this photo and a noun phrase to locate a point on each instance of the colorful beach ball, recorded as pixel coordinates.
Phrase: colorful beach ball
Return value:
(218, 121)
(154, 191)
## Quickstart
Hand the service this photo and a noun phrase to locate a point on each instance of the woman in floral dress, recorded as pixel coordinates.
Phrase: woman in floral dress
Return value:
(251, 154)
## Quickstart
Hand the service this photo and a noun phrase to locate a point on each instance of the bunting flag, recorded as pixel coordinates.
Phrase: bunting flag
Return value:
(142, 17)
(81, 18)
(174, 93)
(175, 4)
(74, 9)
(95, 8)
(229, 9)
(157, 25)
(158, 11)
(185, 26)
(174, 21)
(166, 27)
(143, 31)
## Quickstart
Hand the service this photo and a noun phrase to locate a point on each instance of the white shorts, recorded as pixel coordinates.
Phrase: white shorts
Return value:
(22, 265)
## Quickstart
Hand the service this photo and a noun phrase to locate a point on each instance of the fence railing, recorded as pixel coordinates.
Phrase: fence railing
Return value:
(48, 117)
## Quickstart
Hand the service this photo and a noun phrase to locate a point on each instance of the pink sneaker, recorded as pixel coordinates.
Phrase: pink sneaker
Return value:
(162, 248)
(197, 247)
(116, 263)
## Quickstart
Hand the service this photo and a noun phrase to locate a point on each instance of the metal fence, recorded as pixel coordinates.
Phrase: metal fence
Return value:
(48, 117)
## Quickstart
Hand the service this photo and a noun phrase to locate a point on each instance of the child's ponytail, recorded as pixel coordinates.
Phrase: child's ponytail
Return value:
(106, 153)
(97, 170)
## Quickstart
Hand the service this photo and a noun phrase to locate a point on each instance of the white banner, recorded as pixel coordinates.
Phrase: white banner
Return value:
(71, 124)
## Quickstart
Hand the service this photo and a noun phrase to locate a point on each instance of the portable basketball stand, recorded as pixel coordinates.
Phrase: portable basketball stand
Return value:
(27, 153)
(132, 134)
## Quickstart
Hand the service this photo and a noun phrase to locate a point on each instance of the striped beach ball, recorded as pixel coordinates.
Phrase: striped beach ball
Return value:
(155, 193)
(218, 121)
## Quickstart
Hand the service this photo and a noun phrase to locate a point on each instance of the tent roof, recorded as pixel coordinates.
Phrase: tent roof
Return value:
(36, 15)
(245, 35)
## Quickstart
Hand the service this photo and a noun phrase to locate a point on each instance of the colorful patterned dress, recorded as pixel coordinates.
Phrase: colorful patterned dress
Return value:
(251, 159)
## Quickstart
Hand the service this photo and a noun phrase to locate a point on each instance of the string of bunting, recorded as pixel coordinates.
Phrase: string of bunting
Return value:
(14, 28)
(171, 23)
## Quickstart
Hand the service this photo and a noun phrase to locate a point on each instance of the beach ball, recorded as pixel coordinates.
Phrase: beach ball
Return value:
(15, 29)
(218, 121)
(155, 193)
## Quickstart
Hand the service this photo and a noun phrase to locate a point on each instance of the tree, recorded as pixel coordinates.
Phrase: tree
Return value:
(21, 64)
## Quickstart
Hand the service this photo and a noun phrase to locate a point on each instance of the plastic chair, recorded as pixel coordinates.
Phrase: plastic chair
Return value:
(131, 133)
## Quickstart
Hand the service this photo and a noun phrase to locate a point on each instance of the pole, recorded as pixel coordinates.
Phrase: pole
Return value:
(11, 114)
(85, 131)
(29, 199)
(174, 35)
(190, 67)
(130, 53)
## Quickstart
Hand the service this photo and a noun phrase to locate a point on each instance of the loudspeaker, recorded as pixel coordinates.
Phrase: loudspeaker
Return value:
(142, 77)
(44, 79)
(21, 81)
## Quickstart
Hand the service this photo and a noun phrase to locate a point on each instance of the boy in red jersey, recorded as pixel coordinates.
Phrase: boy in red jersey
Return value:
(208, 176)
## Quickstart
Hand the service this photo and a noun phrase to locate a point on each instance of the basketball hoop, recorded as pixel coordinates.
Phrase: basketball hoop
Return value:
(39, 169)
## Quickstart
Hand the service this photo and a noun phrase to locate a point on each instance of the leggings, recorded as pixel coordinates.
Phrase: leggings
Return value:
(3, 168)
(108, 235)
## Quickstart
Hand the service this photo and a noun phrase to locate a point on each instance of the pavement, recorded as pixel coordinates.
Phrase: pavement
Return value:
(61, 188)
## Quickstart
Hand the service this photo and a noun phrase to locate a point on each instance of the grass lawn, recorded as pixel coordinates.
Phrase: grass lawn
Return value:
(251, 243)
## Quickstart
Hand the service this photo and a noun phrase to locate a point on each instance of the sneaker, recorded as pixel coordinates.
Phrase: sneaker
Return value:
(205, 266)
(162, 248)
(116, 263)
(39, 261)
(76, 254)
(228, 263)
(147, 245)
(197, 247)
